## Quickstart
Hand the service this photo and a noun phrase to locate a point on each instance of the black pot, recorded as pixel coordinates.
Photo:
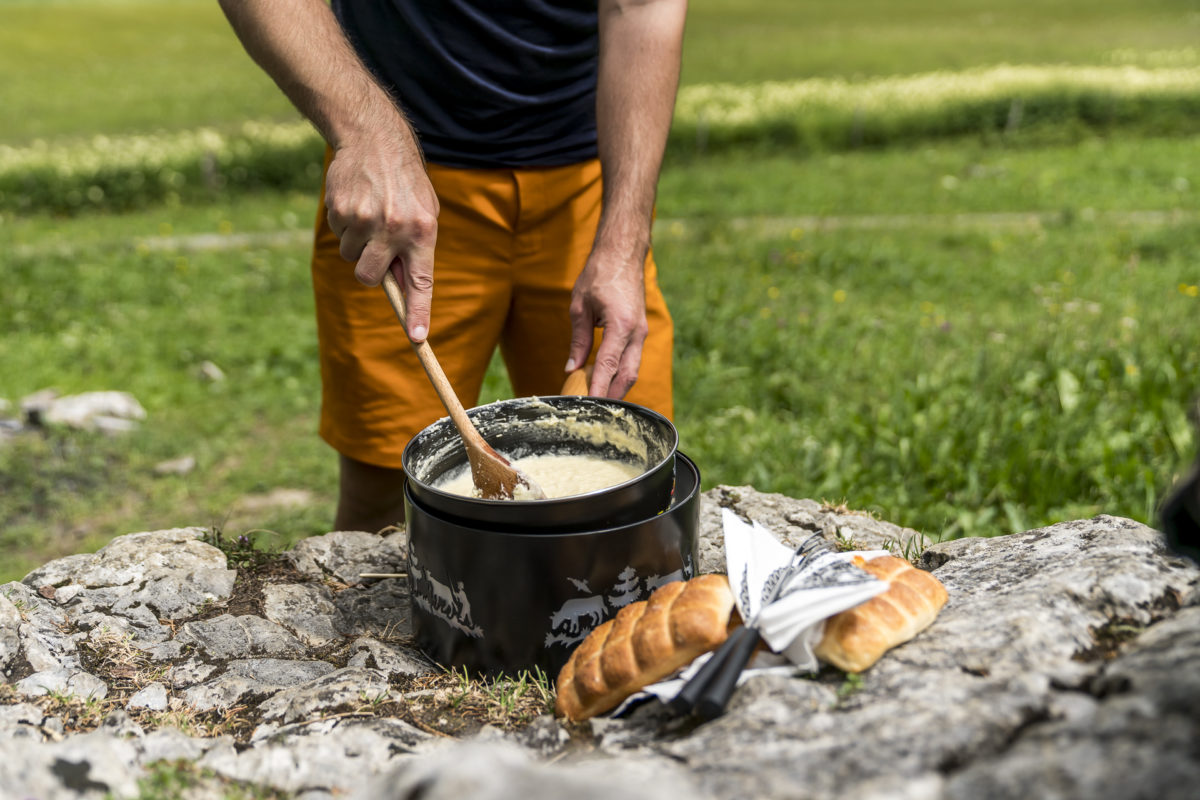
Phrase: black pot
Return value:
(494, 601)
(610, 429)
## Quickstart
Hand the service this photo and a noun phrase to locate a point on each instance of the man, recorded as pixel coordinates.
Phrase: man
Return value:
(519, 109)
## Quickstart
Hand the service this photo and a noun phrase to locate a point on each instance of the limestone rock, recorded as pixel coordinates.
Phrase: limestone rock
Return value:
(152, 698)
(336, 755)
(793, 520)
(391, 661)
(21, 720)
(92, 765)
(247, 636)
(495, 771)
(139, 579)
(341, 689)
(91, 410)
(253, 677)
(10, 641)
(1063, 666)
(344, 555)
(305, 610)
(70, 683)
(381, 609)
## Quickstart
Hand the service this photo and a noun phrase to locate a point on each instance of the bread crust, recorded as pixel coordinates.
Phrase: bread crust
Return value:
(646, 641)
(856, 638)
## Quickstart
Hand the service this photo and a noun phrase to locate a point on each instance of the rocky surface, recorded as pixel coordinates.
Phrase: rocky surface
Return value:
(1066, 664)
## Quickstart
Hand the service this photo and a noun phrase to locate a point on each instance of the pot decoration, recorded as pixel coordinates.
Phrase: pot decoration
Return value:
(497, 597)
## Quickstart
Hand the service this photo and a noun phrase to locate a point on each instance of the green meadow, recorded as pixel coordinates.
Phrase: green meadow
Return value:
(969, 309)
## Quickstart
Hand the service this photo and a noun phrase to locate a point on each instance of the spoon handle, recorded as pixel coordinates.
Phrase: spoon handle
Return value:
(441, 384)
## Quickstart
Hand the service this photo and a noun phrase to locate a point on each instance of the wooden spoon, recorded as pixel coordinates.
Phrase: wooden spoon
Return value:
(577, 382)
(494, 476)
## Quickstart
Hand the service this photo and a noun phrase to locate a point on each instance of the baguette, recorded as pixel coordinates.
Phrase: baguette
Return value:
(646, 641)
(856, 638)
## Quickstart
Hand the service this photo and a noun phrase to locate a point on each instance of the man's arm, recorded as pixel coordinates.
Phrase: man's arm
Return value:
(640, 47)
(380, 202)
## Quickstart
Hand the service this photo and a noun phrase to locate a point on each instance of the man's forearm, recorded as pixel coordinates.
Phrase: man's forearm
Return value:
(640, 49)
(301, 46)
(380, 202)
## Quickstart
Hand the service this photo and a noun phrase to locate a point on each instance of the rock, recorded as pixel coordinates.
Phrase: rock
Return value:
(260, 677)
(44, 632)
(1063, 666)
(175, 466)
(494, 771)
(279, 672)
(90, 410)
(211, 372)
(331, 755)
(112, 425)
(224, 691)
(10, 641)
(305, 610)
(391, 661)
(69, 683)
(34, 406)
(91, 765)
(381, 609)
(21, 720)
(151, 698)
(59, 571)
(190, 673)
(172, 744)
(341, 689)
(229, 637)
(141, 578)
(792, 520)
(344, 555)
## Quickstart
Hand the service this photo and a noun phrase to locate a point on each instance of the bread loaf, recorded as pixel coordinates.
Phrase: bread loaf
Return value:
(644, 643)
(856, 638)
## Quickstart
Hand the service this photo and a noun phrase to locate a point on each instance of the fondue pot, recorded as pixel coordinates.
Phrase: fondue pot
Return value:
(592, 426)
(514, 594)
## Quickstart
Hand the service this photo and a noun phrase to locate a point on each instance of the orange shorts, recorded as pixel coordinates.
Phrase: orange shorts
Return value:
(510, 245)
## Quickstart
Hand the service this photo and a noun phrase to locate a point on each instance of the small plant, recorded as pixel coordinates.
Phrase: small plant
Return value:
(23, 608)
(172, 780)
(240, 551)
(845, 542)
(852, 684)
(372, 703)
(503, 700)
(910, 548)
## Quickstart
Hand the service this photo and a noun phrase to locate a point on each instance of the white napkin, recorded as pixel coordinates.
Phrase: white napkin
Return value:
(824, 584)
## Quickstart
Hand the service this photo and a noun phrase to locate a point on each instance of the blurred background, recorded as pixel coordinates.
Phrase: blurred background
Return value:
(937, 260)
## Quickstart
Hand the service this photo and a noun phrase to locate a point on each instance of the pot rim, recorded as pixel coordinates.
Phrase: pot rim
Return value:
(642, 411)
(677, 502)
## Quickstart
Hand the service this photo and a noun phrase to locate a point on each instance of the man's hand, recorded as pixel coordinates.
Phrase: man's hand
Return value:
(640, 45)
(610, 294)
(380, 202)
(383, 209)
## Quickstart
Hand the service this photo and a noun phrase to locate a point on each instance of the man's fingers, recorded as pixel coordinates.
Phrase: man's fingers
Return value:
(418, 291)
(627, 372)
(608, 362)
(582, 336)
(373, 262)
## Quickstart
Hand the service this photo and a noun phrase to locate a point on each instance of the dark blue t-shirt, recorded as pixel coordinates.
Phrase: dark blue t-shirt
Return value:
(486, 83)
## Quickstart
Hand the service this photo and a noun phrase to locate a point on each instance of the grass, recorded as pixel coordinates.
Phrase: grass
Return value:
(738, 41)
(843, 331)
(1003, 107)
(176, 65)
(974, 382)
(957, 378)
